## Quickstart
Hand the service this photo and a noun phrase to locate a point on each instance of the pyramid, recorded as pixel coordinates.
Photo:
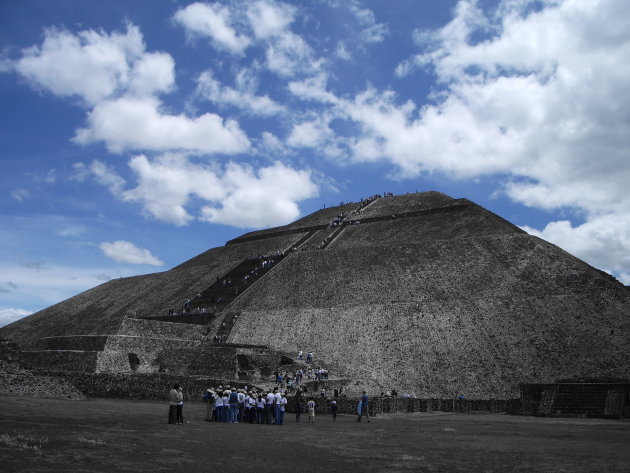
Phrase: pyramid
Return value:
(420, 292)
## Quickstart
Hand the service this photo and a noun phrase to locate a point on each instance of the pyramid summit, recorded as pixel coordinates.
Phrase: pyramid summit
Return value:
(420, 292)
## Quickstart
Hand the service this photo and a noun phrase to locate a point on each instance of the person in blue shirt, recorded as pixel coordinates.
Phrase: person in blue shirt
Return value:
(364, 407)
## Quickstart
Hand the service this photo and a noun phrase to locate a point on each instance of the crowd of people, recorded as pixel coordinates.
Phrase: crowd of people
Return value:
(254, 406)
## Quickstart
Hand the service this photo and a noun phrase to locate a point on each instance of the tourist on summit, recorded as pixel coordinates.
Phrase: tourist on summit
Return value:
(180, 405)
(333, 410)
(172, 408)
(310, 405)
(364, 407)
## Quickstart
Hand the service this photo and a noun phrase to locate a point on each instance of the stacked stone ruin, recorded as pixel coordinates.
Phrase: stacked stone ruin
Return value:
(421, 292)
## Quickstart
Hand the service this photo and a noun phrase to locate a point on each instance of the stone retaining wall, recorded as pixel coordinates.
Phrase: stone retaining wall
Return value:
(66, 360)
(140, 386)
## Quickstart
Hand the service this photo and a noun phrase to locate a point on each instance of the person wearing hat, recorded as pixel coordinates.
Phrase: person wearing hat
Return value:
(208, 398)
(333, 410)
(282, 403)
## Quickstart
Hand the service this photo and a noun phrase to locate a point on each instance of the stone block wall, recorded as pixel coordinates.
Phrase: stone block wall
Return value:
(66, 360)
(214, 361)
(576, 399)
(140, 386)
(38, 386)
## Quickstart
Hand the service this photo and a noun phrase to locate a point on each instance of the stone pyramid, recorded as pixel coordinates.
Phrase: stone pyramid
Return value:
(420, 292)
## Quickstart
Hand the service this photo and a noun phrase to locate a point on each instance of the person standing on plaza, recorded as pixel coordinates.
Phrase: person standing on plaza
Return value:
(333, 410)
(281, 408)
(311, 410)
(180, 405)
(364, 407)
(172, 408)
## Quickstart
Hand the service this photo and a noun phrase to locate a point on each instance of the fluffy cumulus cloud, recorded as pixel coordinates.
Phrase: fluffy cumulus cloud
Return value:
(130, 123)
(92, 64)
(126, 252)
(255, 199)
(10, 315)
(120, 83)
(235, 194)
(531, 90)
(213, 21)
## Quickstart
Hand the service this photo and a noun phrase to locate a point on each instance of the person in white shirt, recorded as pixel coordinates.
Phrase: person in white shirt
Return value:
(269, 408)
(260, 409)
(310, 405)
(276, 405)
(282, 403)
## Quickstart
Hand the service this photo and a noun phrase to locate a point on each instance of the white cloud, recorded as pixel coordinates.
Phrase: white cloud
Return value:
(309, 134)
(213, 21)
(120, 82)
(373, 32)
(269, 18)
(254, 199)
(10, 315)
(139, 124)
(126, 252)
(90, 64)
(287, 54)
(236, 195)
(166, 184)
(243, 97)
(104, 175)
(20, 194)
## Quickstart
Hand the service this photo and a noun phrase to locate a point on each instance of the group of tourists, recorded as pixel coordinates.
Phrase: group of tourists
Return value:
(232, 405)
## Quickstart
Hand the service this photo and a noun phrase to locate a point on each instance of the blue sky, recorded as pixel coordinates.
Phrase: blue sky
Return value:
(136, 135)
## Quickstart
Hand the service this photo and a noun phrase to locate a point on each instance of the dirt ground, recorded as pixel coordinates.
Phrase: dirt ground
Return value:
(99, 435)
